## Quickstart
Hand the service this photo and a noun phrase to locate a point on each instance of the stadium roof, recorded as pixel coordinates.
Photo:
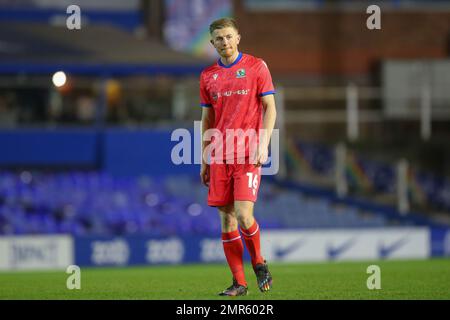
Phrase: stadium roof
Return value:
(95, 49)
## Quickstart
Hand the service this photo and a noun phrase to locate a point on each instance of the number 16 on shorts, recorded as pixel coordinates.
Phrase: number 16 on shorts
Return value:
(252, 182)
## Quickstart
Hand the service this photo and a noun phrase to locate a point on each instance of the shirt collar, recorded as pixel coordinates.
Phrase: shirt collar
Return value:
(239, 57)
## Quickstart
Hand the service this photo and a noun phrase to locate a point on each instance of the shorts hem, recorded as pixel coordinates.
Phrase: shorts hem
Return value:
(219, 203)
(224, 203)
(245, 199)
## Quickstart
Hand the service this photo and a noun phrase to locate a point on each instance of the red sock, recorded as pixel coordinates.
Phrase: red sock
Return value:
(253, 243)
(234, 250)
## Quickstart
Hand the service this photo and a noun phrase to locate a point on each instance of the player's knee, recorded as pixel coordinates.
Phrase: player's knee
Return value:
(229, 222)
(228, 218)
(245, 219)
(244, 214)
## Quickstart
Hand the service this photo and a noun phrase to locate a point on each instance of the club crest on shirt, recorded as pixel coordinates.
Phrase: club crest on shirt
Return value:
(240, 73)
(215, 75)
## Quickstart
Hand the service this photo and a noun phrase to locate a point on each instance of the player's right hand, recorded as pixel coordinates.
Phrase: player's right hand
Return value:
(204, 174)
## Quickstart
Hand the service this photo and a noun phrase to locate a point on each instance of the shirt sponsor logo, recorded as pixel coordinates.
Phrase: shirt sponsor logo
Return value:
(216, 95)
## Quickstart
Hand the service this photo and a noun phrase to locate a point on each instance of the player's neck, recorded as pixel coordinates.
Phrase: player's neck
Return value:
(229, 60)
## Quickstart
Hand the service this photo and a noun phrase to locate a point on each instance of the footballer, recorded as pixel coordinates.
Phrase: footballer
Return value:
(237, 95)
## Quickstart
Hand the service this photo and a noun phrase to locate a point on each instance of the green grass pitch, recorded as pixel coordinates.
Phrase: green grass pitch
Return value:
(425, 279)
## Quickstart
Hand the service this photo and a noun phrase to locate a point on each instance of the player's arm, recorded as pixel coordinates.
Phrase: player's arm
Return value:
(270, 115)
(207, 123)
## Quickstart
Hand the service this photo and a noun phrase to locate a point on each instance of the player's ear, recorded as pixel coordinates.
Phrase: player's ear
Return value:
(238, 38)
(212, 42)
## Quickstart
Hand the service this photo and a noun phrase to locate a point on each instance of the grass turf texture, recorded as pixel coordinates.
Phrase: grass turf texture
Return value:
(425, 279)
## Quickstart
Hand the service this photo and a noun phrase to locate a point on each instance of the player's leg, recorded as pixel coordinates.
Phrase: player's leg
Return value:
(247, 178)
(220, 195)
(234, 250)
(251, 232)
(246, 185)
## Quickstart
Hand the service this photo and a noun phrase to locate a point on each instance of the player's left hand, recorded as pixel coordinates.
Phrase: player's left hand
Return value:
(262, 156)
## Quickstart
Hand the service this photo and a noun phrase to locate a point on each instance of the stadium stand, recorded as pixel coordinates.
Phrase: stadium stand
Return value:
(93, 203)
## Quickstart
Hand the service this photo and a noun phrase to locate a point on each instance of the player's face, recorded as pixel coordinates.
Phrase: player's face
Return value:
(225, 41)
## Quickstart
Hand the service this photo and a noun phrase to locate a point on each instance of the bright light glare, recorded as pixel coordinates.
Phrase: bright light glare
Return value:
(59, 79)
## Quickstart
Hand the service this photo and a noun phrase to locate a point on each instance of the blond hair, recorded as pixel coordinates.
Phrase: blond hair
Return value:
(223, 23)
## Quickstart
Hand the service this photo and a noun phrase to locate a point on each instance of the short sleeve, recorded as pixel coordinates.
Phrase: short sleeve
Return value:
(265, 85)
(204, 97)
